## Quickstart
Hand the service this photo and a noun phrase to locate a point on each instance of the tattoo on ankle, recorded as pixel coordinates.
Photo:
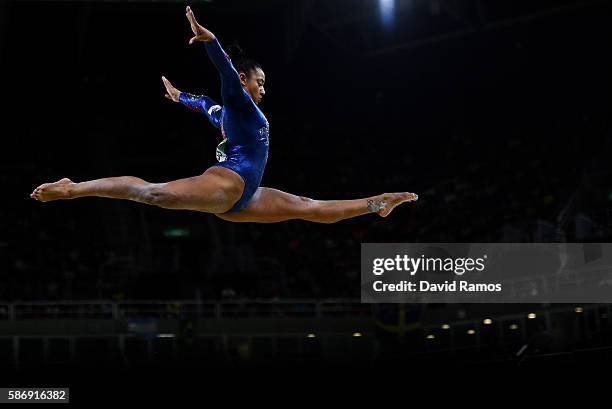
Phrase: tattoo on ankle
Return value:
(376, 205)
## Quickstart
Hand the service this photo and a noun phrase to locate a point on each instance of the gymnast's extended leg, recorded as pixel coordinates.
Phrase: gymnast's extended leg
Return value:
(216, 190)
(272, 205)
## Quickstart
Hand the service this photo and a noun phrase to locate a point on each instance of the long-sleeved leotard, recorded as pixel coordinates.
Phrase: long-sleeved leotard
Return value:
(203, 104)
(212, 110)
(242, 123)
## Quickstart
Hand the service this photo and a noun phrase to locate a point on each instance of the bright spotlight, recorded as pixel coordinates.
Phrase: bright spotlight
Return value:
(387, 8)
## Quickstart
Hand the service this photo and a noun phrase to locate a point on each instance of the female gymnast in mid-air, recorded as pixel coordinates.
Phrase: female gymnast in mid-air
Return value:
(230, 188)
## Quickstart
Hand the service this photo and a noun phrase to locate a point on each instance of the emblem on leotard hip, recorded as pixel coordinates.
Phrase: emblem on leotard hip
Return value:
(220, 153)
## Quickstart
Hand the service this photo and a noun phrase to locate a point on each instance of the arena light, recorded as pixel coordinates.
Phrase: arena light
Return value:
(513, 327)
(487, 321)
(431, 336)
(471, 332)
(387, 9)
(357, 334)
(311, 335)
(165, 335)
(531, 316)
(578, 310)
(177, 232)
(445, 326)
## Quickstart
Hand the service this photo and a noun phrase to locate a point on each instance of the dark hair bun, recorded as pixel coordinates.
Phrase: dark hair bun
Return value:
(235, 52)
(240, 61)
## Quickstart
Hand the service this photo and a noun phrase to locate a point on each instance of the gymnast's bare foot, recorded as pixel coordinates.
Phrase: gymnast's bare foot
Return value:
(53, 191)
(385, 203)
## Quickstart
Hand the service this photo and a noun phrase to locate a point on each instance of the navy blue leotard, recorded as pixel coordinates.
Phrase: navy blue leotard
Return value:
(242, 123)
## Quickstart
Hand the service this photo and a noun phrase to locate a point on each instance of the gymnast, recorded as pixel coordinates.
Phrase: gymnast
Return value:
(230, 188)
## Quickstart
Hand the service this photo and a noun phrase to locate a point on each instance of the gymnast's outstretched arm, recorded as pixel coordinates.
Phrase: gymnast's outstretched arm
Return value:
(203, 104)
(198, 103)
(231, 87)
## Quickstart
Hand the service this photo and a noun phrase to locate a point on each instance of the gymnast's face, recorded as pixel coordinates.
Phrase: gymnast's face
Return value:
(254, 84)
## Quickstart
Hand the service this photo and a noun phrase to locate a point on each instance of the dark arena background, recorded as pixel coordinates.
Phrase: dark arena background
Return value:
(495, 112)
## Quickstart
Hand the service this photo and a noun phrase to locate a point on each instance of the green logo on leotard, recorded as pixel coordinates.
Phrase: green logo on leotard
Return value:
(220, 152)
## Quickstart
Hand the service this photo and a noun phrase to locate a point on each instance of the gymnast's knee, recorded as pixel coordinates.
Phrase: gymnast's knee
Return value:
(160, 196)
